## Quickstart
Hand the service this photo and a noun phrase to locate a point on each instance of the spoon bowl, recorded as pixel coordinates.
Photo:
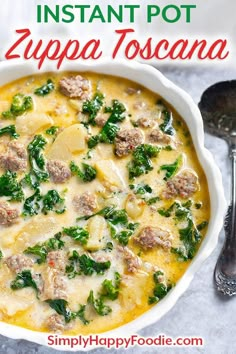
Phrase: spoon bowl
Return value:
(218, 108)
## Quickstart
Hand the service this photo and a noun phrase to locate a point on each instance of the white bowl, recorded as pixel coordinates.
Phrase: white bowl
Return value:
(183, 103)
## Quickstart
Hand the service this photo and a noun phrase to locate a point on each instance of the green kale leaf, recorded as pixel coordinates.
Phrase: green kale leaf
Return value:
(119, 218)
(123, 236)
(140, 188)
(198, 205)
(81, 314)
(167, 126)
(38, 250)
(166, 212)
(30, 181)
(52, 201)
(10, 187)
(109, 247)
(60, 306)
(85, 265)
(41, 250)
(88, 173)
(110, 129)
(202, 226)
(9, 130)
(36, 203)
(36, 158)
(171, 169)
(78, 234)
(111, 214)
(109, 290)
(182, 211)
(98, 305)
(92, 107)
(20, 104)
(45, 89)
(160, 289)
(24, 280)
(31, 205)
(141, 162)
(52, 130)
(88, 266)
(190, 235)
(115, 218)
(152, 200)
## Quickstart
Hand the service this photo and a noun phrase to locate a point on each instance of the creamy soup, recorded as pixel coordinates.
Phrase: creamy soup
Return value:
(103, 202)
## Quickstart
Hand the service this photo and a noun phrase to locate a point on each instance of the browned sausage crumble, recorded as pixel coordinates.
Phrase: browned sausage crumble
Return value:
(75, 87)
(127, 140)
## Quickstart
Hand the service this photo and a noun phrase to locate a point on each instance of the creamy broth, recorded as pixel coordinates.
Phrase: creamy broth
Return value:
(137, 254)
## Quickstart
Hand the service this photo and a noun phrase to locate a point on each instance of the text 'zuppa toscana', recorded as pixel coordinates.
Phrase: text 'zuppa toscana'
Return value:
(103, 202)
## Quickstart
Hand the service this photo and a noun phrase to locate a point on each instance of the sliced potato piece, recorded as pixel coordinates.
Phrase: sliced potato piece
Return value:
(59, 152)
(96, 228)
(134, 206)
(4, 106)
(109, 174)
(77, 135)
(31, 233)
(30, 123)
(129, 297)
(71, 140)
(76, 104)
(11, 303)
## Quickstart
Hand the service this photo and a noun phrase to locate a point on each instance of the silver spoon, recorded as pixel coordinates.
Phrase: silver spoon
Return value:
(218, 108)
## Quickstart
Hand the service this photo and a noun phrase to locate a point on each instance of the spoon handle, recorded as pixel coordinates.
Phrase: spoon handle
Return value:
(225, 271)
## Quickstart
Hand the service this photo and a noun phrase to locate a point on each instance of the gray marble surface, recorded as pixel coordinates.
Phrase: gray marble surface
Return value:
(200, 311)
